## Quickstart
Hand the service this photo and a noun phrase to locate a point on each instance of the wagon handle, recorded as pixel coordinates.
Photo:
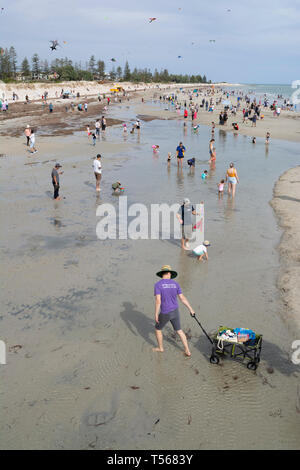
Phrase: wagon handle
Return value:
(206, 334)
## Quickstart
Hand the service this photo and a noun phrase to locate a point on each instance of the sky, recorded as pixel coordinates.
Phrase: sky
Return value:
(257, 41)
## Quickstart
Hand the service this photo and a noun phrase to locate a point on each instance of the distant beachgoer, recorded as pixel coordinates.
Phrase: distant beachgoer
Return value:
(212, 151)
(50, 108)
(117, 187)
(169, 159)
(191, 162)
(185, 114)
(166, 307)
(201, 250)
(155, 149)
(232, 178)
(55, 181)
(85, 107)
(204, 174)
(180, 153)
(103, 124)
(97, 127)
(184, 216)
(94, 137)
(27, 133)
(253, 140)
(98, 171)
(138, 125)
(32, 142)
(268, 135)
(221, 188)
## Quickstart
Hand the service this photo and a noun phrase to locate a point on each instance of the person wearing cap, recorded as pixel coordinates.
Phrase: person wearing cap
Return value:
(98, 171)
(55, 181)
(27, 133)
(184, 216)
(201, 250)
(166, 292)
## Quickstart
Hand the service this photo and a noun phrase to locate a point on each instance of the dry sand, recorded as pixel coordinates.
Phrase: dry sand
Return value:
(286, 202)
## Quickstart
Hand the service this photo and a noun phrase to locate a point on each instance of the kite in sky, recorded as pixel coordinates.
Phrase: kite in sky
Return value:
(54, 45)
(212, 40)
(179, 57)
(113, 60)
(152, 19)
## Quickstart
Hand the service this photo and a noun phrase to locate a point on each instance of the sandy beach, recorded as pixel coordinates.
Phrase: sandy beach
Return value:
(78, 313)
(285, 203)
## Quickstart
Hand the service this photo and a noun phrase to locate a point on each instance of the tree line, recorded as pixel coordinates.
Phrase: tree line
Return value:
(66, 69)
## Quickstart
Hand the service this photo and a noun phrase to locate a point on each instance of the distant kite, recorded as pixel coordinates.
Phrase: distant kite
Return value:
(212, 40)
(54, 45)
(179, 57)
(228, 10)
(152, 19)
(113, 60)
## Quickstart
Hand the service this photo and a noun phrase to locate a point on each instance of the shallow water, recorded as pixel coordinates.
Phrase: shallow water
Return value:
(83, 308)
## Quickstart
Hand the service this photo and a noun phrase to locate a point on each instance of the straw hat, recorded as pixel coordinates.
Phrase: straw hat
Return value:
(206, 243)
(166, 269)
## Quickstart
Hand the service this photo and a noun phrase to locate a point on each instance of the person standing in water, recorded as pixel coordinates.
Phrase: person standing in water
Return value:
(232, 178)
(166, 307)
(98, 171)
(212, 151)
(55, 181)
(180, 153)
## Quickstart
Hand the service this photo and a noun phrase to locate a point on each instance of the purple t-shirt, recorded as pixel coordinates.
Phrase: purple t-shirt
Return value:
(168, 289)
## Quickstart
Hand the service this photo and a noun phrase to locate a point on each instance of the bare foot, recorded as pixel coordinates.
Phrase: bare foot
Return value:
(157, 350)
(187, 354)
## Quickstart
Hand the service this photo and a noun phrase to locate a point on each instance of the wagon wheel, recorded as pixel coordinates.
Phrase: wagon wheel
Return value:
(214, 360)
(252, 365)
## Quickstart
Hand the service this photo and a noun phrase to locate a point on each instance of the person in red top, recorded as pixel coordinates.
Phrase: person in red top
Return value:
(185, 114)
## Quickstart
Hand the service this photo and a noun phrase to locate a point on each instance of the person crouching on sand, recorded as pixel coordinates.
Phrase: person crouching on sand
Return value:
(201, 251)
(166, 307)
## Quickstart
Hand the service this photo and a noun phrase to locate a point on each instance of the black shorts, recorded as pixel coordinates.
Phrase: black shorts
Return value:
(164, 318)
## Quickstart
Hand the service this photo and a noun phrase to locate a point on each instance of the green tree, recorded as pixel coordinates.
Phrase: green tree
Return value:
(127, 73)
(13, 60)
(25, 67)
(92, 64)
(101, 69)
(35, 64)
(119, 72)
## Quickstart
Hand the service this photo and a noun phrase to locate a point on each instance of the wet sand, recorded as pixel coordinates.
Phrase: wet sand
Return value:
(78, 313)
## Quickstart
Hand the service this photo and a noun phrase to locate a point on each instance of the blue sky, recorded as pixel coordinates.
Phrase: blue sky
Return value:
(258, 41)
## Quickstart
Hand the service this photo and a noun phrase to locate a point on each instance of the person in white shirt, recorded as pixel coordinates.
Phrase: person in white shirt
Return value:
(201, 250)
(32, 142)
(98, 171)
